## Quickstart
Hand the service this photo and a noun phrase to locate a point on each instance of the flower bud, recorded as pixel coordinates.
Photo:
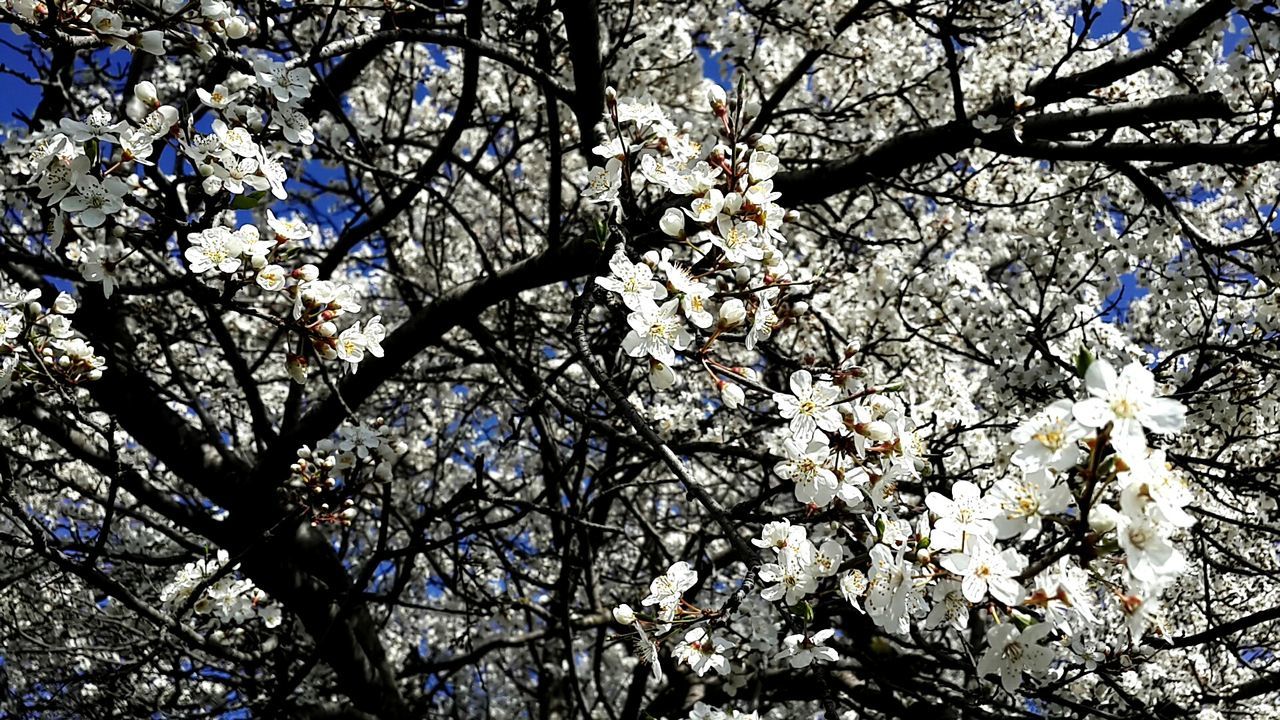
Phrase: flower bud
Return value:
(717, 99)
(672, 223)
(879, 431)
(1102, 519)
(327, 329)
(661, 376)
(297, 368)
(732, 394)
(306, 273)
(236, 27)
(145, 91)
(732, 313)
(624, 615)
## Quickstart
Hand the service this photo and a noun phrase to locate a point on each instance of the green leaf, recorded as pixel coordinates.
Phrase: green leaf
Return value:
(248, 202)
(805, 611)
(1083, 360)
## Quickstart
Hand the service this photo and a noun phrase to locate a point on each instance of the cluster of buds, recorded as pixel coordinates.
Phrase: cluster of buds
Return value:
(326, 481)
(726, 277)
(38, 344)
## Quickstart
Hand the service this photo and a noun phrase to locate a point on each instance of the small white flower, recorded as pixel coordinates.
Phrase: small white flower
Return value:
(853, 586)
(790, 577)
(807, 467)
(1011, 653)
(633, 281)
(703, 651)
(666, 589)
(218, 98)
(1049, 439)
(1024, 501)
(1128, 401)
(983, 569)
(809, 406)
(97, 126)
(351, 345)
(1149, 555)
(236, 139)
(780, 535)
(285, 84)
(657, 332)
(290, 229)
(893, 598)
(1150, 486)
(159, 122)
(802, 650)
(271, 278)
(374, 333)
(965, 514)
(95, 199)
(949, 606)
(706, 208)
(293, 124)
(603, 183)
(738, 240)
(215, 248)
(762, 166)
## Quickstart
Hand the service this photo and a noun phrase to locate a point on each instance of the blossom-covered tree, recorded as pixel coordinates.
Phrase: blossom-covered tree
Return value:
(624, 360)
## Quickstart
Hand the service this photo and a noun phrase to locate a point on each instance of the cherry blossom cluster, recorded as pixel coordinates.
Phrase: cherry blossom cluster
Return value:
(1083, 482)
(1131, 500)
(230, 158)
(701, 648)
(243, 258)
(729, 281)
(703, 711)
(326, 481)
(209, 24)
(931, 562)
(93, 21)
(80, 168)
(219, 595)
(87, 168)
(38, 344)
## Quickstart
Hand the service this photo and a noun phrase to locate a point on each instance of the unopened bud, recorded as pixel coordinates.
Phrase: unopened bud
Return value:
(717, 99)
(145, 91)
(672, 223)
(732, 394)
(624, 615)
(1102, 519)
(732, 313)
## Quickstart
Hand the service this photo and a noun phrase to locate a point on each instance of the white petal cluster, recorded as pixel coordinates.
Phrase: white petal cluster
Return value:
(38, 344)
(328, 480)
(926, 558)
(212, 589)
(730, 284)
